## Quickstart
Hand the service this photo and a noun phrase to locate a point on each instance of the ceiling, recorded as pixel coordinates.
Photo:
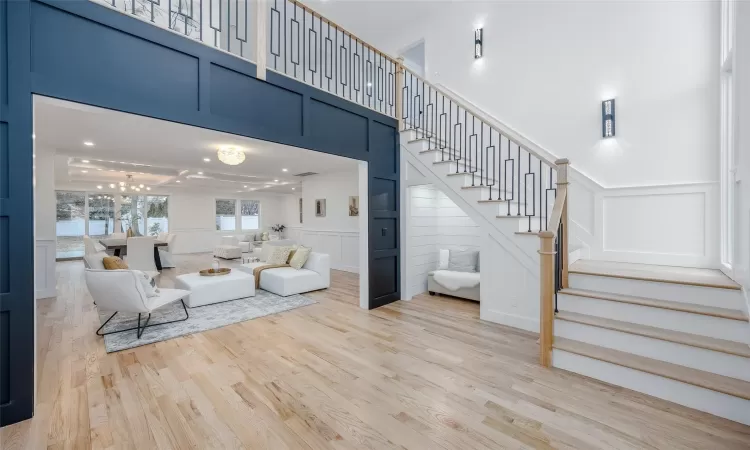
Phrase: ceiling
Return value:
(162, 155)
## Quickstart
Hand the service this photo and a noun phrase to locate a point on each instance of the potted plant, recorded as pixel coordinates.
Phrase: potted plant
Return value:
(279, 229)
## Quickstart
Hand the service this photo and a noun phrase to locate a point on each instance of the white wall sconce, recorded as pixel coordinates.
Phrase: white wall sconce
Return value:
(478, 43)
(608, 118)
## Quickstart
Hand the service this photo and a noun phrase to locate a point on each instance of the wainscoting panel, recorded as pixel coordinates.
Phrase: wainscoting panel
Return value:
(342, 246)
(44, 276)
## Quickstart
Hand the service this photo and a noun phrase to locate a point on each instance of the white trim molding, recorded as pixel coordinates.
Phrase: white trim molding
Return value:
(44, 276)
(342, 246)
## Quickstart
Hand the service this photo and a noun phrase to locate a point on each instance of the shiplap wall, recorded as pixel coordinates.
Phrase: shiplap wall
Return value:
(435, 222)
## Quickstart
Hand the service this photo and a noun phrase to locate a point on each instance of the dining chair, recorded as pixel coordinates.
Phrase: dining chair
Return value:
(91, 246)
(141, 254)
(165, 254)
(122, 292)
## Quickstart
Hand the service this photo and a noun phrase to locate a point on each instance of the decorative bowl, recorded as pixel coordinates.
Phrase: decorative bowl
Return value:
(215, 273)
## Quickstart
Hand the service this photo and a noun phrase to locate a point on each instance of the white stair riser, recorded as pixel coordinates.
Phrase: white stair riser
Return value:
(685, 355)
(720, 298)
(716, 327)
(712, 402)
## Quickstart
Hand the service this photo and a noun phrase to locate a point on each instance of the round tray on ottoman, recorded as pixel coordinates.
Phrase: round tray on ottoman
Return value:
(215, 273)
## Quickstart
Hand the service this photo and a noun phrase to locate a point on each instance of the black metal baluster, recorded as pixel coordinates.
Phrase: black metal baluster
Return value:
(305, 50)
(519, 181)
(349, 74)
(278, 35)
(541, 181)
(510, 198)
(526, 192)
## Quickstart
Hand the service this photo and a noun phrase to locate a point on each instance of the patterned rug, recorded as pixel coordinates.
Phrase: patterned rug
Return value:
(201, 318)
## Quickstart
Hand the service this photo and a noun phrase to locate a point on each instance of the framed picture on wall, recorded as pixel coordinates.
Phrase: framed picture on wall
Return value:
(354, 205)
(300, 210)
(320, 207)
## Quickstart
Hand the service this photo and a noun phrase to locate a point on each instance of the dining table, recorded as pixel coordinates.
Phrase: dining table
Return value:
(119, 246)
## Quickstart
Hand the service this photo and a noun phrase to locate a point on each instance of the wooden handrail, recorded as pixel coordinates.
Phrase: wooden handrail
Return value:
(547, 251)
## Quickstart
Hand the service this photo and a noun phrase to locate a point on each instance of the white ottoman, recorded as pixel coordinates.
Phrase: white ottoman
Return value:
(207, 290)
(227, 251)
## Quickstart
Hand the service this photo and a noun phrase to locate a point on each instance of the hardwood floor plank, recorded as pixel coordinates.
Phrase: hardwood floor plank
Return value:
(423, 374)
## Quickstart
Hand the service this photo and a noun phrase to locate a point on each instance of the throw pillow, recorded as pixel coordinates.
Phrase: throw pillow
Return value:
(463, 261)
(114, 263)
(300, 257)
(148, 283)
(291, 253)
(279, 255)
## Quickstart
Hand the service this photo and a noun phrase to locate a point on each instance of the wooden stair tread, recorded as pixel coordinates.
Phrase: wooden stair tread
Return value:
(649, 272)
(693, 340)
(693, 308)
(707, 380)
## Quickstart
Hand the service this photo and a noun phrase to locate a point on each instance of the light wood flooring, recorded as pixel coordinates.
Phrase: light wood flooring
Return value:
(424, 374)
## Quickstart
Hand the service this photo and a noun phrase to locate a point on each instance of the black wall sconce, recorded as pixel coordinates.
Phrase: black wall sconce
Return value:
(478, 43)
(608, 118)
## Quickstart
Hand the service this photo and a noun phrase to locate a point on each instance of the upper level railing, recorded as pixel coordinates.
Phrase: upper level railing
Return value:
(289, 38)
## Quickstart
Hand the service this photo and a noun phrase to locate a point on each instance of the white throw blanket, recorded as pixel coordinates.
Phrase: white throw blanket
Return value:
(456, 280)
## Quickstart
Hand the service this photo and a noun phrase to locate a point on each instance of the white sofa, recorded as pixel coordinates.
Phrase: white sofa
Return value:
(315, 274)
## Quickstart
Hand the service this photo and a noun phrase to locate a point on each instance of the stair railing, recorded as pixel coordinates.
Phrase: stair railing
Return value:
(507, 170)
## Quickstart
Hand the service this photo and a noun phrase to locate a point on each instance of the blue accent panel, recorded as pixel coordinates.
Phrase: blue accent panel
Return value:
(386, 232)
(282, 116)
(101, 62)
(383, 269)
(383, 195)
(3, 56)
(4, 172)
(4, 356)
(382, 138)
(4, 256)
(337, 128)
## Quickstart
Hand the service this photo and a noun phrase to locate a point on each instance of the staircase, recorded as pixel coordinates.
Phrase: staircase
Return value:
(674, 333)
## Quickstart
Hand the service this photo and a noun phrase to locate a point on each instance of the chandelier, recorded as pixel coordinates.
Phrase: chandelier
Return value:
(231, 156)
(130, 185)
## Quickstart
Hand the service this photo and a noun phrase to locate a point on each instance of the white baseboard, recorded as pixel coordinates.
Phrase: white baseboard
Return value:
(511, 320)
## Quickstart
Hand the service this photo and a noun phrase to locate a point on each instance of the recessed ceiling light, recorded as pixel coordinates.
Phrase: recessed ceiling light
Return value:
(207, 159)
(266, 186)
(285, 170)
(85, 161)
(275, 181)
(122, 171)
(99, 187)
(292, 188)
(111, 170)
(178, 181)
(84, 171)
(111, 185)
(200, 173)
(148, 188)
(244, 187)
(99, 170)
(88, 143)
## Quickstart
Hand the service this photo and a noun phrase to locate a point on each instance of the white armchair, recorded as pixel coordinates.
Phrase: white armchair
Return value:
(228, 248)
(140, 252)
(122, 291)
(167, 260)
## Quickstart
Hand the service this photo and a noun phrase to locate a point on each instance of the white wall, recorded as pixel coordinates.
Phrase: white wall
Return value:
(336, 234)
(192, 217)
(435, 223)
(45, 208)
(546, 77)
(742, 105)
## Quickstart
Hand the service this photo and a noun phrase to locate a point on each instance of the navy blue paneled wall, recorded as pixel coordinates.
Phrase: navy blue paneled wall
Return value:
(84, 52)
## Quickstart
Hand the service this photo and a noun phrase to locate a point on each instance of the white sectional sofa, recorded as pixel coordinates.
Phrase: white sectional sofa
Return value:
(315, 274)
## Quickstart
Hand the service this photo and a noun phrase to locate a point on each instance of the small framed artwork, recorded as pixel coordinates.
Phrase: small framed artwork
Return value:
(320, 207)
(354, 205)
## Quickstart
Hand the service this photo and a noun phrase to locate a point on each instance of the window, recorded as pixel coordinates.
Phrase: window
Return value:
(101, 215)
(226, 215)
(250, 214)
(728, 145)
(70, 225)
(230, 218)
(157, 217)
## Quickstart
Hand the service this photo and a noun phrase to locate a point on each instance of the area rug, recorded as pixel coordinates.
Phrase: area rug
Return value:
(201, 318)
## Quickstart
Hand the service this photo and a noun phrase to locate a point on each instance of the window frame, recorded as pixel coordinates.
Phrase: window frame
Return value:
(238, 214)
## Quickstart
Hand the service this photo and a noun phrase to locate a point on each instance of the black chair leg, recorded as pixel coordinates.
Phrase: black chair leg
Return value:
(140, 329)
